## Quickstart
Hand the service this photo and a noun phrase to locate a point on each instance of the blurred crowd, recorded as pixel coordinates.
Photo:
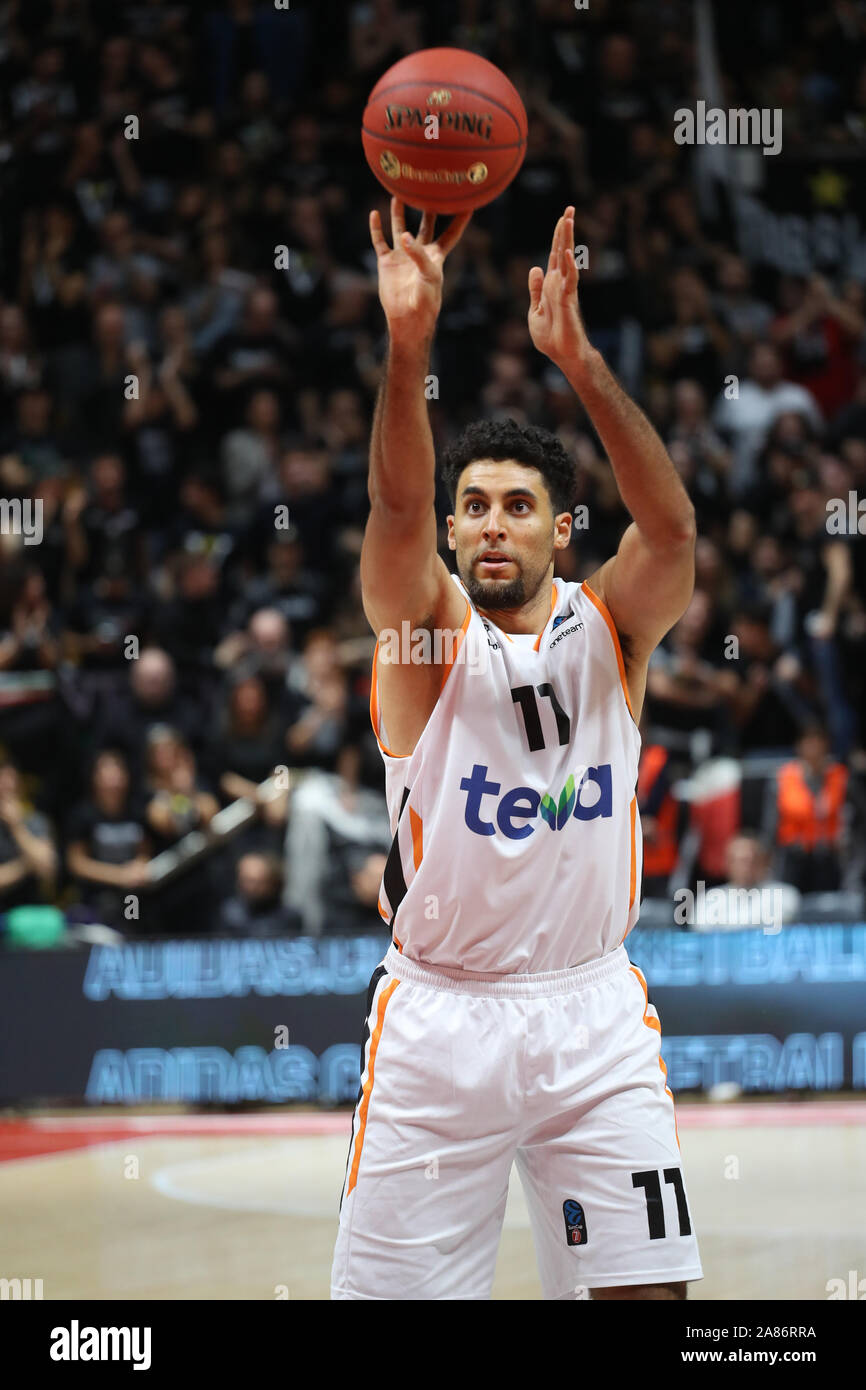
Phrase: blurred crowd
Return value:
(190, 344)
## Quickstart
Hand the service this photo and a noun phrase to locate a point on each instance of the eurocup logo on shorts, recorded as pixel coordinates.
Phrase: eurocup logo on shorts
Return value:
(575, 1222)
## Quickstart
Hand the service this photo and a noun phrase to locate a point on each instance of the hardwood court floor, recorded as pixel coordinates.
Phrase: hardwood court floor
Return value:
(236, 1207)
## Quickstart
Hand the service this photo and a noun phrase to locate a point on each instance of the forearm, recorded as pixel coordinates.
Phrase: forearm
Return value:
(402, 457)
(38, 853)
(180, 402)
(12, 872)
(94, 871)
(838, 567)
(77, 549)
(233, 785)
(785, 330)
(648, 483)
(850, 318)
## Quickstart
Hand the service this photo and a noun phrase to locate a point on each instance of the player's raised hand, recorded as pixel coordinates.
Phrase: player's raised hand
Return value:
(555, 324)
(410, 272)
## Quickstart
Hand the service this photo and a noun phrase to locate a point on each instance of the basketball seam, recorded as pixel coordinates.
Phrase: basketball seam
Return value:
(455, 87)
(451, 149)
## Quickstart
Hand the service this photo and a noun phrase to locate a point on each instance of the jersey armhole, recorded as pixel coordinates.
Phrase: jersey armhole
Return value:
(614, 637)
(447, 666)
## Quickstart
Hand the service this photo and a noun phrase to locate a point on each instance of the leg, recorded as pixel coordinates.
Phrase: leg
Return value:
(642, 1291)
(602, 1170)
(431, 1151)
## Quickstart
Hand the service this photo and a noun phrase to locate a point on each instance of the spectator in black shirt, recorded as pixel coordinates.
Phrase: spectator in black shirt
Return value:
(177, 801)
(104, 614)
(152, 698)
(33, 439)
(264, 648)
(94, 388)
(248, 742)
(289, 587)
(250, 358)
(256, 908)
(823, 566)
(28, 858)
(107, 843)
(191, 622)
(303, 485)
(102, 525)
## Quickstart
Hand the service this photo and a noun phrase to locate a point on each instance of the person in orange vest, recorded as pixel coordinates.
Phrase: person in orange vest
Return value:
(809, 809)
(659, 814)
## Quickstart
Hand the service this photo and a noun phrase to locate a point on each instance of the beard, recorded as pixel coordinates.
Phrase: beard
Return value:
(505, 594)
(495, 593)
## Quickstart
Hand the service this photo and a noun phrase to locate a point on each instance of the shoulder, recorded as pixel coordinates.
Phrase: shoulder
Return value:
(81, 820)
(38, 825)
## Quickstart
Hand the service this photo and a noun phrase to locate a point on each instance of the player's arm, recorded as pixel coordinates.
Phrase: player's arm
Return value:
(647, 585)
(402, 574)
(836, 558)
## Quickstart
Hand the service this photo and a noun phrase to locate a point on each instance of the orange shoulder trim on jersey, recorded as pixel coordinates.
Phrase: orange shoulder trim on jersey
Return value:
(447, 665)
(374, 708)
(549, 616)
(417, 826)
(374, 682)
(614, 637)
(632, 886)
(368, 1084)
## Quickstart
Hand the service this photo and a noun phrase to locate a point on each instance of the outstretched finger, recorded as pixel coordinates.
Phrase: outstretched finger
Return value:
(428, 224)
(416, 252)
(453, 232)
(553, 260)
(398, 220)
(536, 281)
(567, 241)
(377, 236)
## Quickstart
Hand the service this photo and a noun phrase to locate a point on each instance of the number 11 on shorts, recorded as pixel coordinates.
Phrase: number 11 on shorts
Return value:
(655, 1211)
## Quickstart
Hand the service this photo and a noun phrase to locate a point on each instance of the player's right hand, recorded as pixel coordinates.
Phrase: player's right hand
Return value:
(410, 273)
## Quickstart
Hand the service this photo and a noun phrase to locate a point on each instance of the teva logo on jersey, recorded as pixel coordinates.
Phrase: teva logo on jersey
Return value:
(521, 804)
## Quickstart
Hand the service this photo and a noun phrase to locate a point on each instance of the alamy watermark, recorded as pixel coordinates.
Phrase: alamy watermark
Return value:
(20, 1289)
(22, 518)
(714, 126)
(846, 516)
(439, 646)
(729, 906)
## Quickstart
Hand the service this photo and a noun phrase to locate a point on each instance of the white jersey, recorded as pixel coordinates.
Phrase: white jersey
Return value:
(517, 844)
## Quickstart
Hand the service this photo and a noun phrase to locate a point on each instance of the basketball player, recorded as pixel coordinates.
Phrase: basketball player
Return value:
(506, 1022)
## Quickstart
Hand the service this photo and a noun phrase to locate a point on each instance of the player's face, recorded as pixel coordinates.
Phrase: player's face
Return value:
(504, 532)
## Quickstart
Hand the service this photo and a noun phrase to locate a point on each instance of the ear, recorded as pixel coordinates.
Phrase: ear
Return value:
(562, 526)
(452, 539)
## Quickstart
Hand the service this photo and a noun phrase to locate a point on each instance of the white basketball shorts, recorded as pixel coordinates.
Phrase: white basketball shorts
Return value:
(464, 1074)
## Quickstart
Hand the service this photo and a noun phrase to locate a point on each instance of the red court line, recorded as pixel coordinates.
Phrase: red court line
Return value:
(44, 1135)
(48, 1134)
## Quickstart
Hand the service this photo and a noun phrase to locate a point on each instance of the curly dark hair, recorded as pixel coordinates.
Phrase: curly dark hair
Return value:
(527, 444)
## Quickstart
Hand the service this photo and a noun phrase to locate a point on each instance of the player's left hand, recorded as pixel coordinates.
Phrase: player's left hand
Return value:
(555, 325)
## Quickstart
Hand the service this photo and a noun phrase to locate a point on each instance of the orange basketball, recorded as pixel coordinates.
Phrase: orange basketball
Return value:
(444, 130)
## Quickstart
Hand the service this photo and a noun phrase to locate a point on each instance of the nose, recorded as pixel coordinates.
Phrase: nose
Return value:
(494, 529)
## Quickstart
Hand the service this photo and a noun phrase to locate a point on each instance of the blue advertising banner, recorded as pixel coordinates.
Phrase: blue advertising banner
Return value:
(227, 1022)
(766, 1011)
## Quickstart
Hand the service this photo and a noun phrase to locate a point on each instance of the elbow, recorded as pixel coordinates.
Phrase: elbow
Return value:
(684, 532)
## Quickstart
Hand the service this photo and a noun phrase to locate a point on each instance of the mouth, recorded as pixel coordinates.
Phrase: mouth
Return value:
(493, 561)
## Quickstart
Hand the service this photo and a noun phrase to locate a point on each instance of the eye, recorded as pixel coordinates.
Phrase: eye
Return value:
(519, 503)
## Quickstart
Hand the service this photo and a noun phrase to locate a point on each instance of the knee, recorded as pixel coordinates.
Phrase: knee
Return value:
(643, 1291)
